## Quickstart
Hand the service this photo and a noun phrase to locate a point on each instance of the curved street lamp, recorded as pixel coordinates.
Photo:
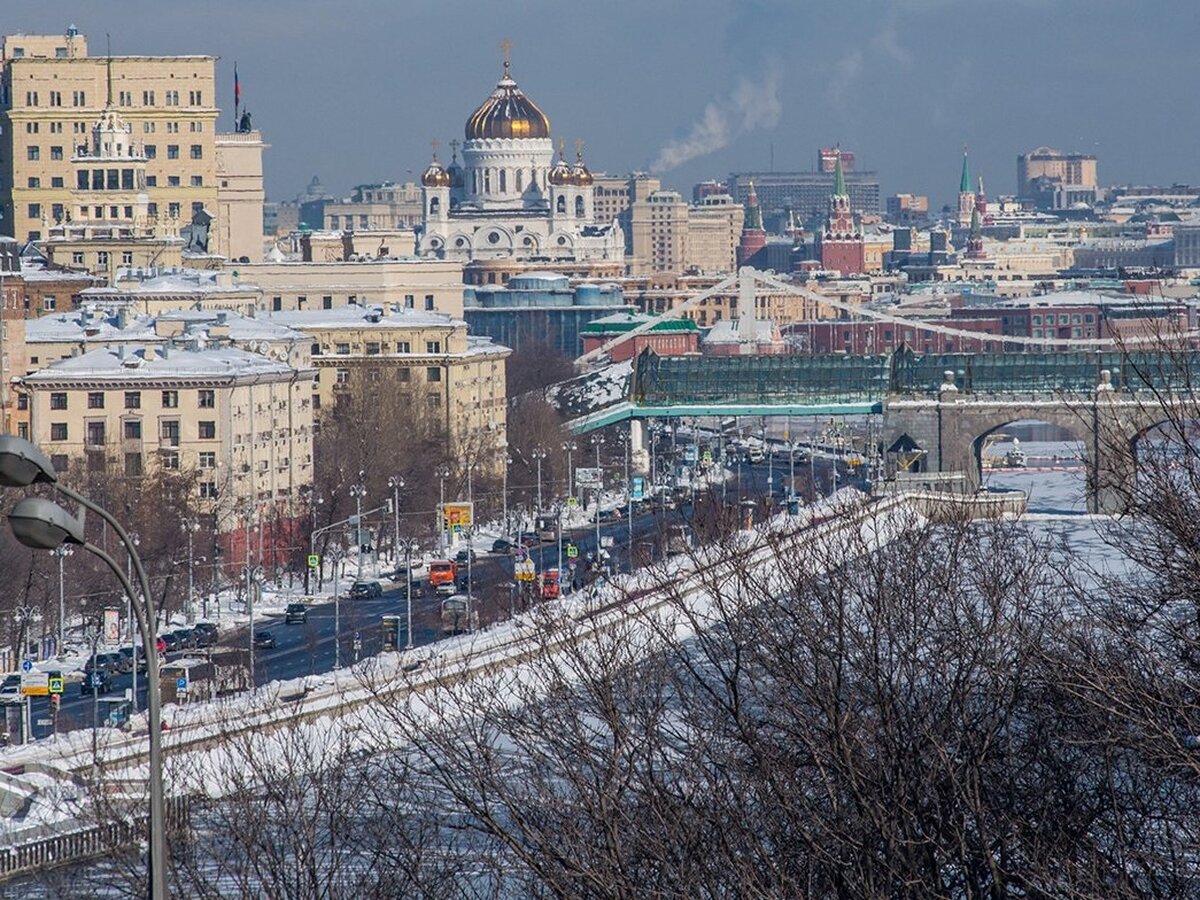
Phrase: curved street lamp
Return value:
(43, 524)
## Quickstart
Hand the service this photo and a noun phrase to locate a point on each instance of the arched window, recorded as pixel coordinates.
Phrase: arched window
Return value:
(533, 179)
(579, 207)
(520, 178)
(504, 181)
(487, 181)
(475, 181)
(434, 205)
(562, 203)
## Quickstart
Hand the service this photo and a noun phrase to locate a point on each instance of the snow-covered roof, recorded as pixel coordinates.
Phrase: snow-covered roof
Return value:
(169, 281)
(123, 363)
(355, 316)
(100, 325)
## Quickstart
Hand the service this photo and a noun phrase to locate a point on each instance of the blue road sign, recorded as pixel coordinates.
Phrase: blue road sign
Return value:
(27, 666)
(181, 684)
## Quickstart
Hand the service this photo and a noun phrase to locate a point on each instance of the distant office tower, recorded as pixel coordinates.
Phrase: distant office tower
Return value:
(907, 209)
(704, 189)
(804, 194)
(827, 160)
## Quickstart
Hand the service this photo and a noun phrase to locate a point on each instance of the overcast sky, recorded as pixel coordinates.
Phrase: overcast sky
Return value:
(354, 90)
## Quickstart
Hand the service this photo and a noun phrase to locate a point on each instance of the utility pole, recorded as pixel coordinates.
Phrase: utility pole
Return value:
(504, 494)
(597, 440)
(133, 538)
(337, 611)
(61, 552)
(629, 494)
(570, 447)
(190, 527)
(539, 453)
(443, 473)
(358, 491)
(408, 576)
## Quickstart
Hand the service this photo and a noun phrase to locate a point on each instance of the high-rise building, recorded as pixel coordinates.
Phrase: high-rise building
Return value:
(1041, 170)
(714, 226)
(907, 209)
(660, 233)
(828, 158)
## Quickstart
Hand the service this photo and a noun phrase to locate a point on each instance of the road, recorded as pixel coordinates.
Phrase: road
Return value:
(308, 648)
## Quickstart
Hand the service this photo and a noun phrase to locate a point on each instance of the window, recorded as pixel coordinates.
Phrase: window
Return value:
(208, 490)
(133, 399)
(127, 257)
(58, 431)
(151, 151)
(326, 302)
(429, 301)
(403, 375)
(169, 459)
(125, 98)
(58, 400)
(208, 399)
(207, 430)
(77, 258)
(408, 301)
(35, 182)
(343, 349)
(208, 460)
(170, 399)
(147, 98)
(403, 347)
(316, 349)
(195, 127)
(169, 433)
(102, 258)
(1037, 320)
(56, 181)
(172, 128)
(57, 211)
(433, 373)
(95, 434)
(78, 98)
(172, 151)
(148, 127)
(197, 151)
(95, 400)
(172, 181)
(343, 376)
(173, 210)
(197, 207)
(35, 210)
(33, 153)
(433, 346)
(197, 181)
(56, 98)
(372, 348)
(194, 98)
(22, 401)
(133, 465)
(172, 98)
(31, 98)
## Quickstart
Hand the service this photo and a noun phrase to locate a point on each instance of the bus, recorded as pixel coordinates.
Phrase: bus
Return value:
(455, 615)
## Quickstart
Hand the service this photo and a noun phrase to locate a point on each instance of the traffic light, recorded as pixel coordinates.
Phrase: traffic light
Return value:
(55, 700)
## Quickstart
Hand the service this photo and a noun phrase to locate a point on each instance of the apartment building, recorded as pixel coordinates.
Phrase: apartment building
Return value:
(241, 421)
(458, 378)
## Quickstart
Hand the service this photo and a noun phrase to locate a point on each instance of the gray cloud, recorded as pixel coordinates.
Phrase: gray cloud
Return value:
(752, 106)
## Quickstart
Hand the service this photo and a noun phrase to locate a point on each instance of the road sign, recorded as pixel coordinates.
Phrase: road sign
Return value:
(35, 684)
(45, 721)
(606, 540)
(181, 684)
(589, 477)
(572, 551)
(525, 570)
(314, 560)
(54, 684)
(572, 502)
(27, 665)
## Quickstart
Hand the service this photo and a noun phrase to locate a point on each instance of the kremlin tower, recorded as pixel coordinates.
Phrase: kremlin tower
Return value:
(842, 245)
(754, 236)
(966, 193)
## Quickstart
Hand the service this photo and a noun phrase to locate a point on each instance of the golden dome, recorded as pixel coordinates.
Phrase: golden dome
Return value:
(507, 113)
(561, 173)
(436, 175)
(579, 173)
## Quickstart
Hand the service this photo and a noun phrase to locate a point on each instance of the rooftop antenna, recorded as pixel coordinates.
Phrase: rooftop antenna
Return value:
(108, 48)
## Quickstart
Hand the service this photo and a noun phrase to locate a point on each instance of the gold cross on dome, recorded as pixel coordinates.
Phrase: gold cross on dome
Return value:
(434, 145)
(579, 147)
(506, 46)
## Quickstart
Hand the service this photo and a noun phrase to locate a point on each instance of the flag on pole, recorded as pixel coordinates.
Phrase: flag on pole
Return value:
(237, 89)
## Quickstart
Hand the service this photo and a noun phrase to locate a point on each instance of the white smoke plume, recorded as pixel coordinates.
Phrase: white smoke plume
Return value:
(751, 106)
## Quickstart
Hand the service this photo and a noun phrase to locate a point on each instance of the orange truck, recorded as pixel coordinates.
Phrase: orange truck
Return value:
(442, 571)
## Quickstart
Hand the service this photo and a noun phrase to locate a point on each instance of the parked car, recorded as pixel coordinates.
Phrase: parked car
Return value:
(264, 640)
(187, 638)
(101, 662)
(365, 590)
(502, 545)
(205, 634)
(127, 659)
(295, 613)
(465, 554)
(97, 681)
(10, 688)
(168, 642)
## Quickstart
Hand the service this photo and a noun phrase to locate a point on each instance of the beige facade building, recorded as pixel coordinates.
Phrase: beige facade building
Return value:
(242, 422)
(12, 332)
(1067, 169)
(660, 293)
(458, 379)
(659, 224)
(376, 207)
(240, 196)
(54, 94)
(714, 230)
(427, 285)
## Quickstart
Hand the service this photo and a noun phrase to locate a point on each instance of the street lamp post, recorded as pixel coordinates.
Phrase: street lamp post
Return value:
(570, 447)
(358, 491)
(61, 552)
(190, 527)
(409, 546)
(134, 542)
(504, 494)
(539, 453)
(629, 494)
(253, 577)
(43, 524)
(597, 440)
(442, 473)
(337, 610)
(395, 483)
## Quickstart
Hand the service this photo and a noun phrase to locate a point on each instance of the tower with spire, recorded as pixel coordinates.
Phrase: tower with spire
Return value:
(842, 245)
(966, 193)
(754, 236)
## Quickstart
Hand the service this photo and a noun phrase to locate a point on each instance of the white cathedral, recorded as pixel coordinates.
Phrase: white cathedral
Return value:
(510, 199)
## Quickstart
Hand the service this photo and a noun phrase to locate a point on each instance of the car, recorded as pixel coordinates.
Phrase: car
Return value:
(127, 659)
(205, 634)
(169, 642)
(101, 662)
(365, 590)
(611, 515)
(464, 555)
(10, 688)
(295, 613)
(264, 640)
(446, 589)
(529, 539)
(187, 638)
(502, 546)
(95, 682)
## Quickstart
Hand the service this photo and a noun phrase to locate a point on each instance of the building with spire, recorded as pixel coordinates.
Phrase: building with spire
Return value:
(843, 248)
(975, 237)
(510, 199)
(754, 236)
(966, 193)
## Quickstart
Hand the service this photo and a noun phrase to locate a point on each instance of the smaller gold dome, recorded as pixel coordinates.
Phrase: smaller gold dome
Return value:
(561, 173)
(579, 173)
(436, 175)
